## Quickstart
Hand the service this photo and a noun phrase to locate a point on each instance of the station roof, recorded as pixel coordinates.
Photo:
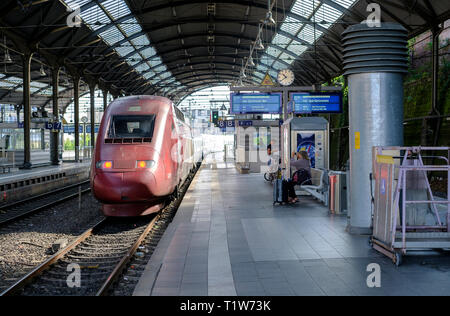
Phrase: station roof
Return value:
(177, 47)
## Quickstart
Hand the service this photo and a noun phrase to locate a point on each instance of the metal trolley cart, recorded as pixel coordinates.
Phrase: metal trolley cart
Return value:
(407, 213)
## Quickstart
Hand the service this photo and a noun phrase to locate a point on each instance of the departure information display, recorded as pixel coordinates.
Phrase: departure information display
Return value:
(317, 102)
(256, 103)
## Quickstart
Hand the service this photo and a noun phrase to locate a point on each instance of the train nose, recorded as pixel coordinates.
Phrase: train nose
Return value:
(123, 187)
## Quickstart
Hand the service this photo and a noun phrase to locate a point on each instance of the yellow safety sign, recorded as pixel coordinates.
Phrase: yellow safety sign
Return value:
(268, 81)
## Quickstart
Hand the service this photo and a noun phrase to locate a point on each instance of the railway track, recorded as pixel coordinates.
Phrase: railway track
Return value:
(102, 254)
(14, 211)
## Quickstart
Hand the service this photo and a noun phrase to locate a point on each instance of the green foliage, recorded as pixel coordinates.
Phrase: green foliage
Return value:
(418, 103)
(69, 144)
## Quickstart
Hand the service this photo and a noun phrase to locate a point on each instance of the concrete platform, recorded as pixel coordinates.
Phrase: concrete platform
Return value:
(22, 183)
(227, 239)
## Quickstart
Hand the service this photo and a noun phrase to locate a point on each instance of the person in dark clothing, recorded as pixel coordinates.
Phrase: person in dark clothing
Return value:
(303, 170)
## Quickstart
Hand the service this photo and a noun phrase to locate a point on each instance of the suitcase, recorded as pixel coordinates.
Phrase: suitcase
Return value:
(280, 192)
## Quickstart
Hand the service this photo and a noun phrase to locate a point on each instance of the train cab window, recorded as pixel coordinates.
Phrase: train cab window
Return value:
(132, 126)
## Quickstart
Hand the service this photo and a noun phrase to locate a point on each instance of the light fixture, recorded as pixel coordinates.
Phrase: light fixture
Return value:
(259, 44)
(42, 71)
(7, 59)
(98, 95)
(251, 62)
(269, 19)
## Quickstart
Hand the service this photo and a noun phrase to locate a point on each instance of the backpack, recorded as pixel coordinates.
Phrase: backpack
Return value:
(302, 177)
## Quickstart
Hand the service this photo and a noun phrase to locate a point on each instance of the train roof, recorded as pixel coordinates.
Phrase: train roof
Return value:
(120, 105)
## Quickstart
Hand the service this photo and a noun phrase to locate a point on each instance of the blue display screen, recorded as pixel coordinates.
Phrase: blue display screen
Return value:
(256, 103)
(317, 102)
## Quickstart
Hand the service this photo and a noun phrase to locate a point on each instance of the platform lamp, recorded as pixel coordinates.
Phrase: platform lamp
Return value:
(269, 16)
(42, 71)
(7, 58)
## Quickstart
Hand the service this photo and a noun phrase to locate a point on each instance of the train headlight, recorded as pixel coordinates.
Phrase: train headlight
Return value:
(145, 164)
(104, 164)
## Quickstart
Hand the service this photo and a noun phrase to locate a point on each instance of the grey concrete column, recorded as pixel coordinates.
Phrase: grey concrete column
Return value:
(54, 137)
(92, 94)
(26, 62)
(375, 62)
(76, 101)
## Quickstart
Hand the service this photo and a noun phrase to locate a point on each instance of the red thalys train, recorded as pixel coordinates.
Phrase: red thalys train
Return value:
(144, 152)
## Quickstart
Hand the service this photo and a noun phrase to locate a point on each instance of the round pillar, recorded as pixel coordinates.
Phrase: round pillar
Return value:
(375, 62)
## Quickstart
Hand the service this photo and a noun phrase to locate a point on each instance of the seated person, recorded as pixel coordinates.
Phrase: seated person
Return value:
(303, 172)
(273, 157)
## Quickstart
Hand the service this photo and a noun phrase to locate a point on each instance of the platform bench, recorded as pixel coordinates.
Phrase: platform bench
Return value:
(319, 187)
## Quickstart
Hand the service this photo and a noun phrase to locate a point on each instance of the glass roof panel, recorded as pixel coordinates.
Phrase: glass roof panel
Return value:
(73, 3)
(297, 48)
(309, 34)
(345, 3)
(155, 81)
(165, 75)
(149, 74)
(279, 65)
(103, 14)
(273, 74)
(142, 67)
(38, 84)
(124, 49)
(281, 40)
(259, 75)
(272, 51)
(287, 58)
(112, 35)
(130, 27)
(95, 18)
(117, 8)
(327, 15)
(304, 8)
(266, 59)
(319, 11)
(10, 83)
(148, 52)
(47, 92)
(161, 68)
(140, 41)
(291, 25)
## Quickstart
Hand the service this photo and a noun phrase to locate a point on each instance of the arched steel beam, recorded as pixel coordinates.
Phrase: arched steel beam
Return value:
(208, 77)
(175, 75)
(162, 25)
(197, 89)
(327, 57)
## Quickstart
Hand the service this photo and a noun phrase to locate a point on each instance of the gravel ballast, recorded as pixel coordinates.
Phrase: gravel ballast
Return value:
(27, 243)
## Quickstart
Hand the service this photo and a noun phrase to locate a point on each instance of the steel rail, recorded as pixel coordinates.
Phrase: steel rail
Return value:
(123, 262)
(49, 262)
(42, 207)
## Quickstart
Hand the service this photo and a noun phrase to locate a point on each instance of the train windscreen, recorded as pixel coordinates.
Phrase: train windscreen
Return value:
(132, 126)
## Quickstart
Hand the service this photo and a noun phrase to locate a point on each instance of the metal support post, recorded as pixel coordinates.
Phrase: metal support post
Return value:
(55, 133)
(76, 100)
(26, 61)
